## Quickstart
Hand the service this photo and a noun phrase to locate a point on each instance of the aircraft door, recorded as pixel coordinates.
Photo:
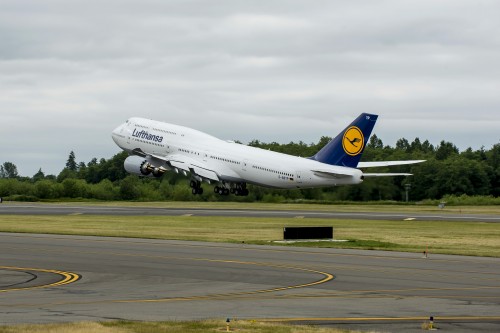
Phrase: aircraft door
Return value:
(299, 177)
(244, 165)
(128, 131)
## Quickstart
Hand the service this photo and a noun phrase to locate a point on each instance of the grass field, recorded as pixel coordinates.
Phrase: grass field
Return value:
(466, 238)
(206, 326)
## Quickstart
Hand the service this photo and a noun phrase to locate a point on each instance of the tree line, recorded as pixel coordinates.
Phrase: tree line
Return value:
(447, 172)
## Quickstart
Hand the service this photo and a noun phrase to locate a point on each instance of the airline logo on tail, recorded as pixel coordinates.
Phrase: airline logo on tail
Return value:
(353, 141)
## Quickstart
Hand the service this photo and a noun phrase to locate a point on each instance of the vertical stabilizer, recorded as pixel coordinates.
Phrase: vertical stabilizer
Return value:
(347, 147)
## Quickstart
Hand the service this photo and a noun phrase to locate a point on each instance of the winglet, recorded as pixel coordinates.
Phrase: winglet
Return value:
(348, 146)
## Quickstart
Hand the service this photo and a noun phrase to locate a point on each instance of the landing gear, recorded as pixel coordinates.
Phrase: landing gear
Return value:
(195, 187)
(196, 191)
(238, 189)
(221, 190)
(241, 190)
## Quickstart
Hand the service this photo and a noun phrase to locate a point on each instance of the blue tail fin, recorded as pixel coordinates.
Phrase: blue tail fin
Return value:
(346, 148)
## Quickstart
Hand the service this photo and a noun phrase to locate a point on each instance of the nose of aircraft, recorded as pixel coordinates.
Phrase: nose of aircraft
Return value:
(117, 133)
(118, 129)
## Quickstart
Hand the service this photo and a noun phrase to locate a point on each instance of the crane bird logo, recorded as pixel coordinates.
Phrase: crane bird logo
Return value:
(353, 141)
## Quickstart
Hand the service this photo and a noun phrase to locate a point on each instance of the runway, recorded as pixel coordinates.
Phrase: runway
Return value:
(53, 278)
(55, 209)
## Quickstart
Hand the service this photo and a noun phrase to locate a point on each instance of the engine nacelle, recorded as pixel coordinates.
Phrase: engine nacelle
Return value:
(137, 165)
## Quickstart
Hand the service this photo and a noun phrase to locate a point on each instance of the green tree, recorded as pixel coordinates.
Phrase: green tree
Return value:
(75, 188)
(129, 188)
(8, 170)
(105, 190)
(427, 147)
(403, 144)
(46, 189)
(71, 162)
(446, 150)
(493, 160)
(462, 176)
(65, 174)
(375, 142)
(39, 175)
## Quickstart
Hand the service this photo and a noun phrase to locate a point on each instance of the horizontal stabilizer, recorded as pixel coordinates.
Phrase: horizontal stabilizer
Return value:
(386, 174)
(330, 174)
(386, 163)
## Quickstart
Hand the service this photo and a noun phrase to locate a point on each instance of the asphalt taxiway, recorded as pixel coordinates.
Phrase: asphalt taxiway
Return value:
(54, 278)
(55, 209)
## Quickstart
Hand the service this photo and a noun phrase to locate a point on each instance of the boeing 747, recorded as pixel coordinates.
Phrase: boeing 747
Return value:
(157, 147)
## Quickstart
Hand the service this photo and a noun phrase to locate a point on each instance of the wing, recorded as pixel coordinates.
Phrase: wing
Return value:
(194, 166)
(184, 163)
(386, 163)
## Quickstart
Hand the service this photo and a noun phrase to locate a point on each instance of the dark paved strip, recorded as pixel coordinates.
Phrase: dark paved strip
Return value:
(138, 279)
(41, 209)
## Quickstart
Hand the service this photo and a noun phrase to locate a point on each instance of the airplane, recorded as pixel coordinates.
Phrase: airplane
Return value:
(157, 147)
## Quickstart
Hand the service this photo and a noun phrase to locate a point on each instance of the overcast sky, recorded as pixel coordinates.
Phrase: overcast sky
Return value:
(72, 71)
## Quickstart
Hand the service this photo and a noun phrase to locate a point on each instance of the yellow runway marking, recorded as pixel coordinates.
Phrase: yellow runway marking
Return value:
(326, 277)
(67, 277)
(255, 293)
(365, 296)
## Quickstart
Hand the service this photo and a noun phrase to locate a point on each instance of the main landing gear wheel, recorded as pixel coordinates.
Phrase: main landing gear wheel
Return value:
(195, 187)
(221, 190)
(240, 190)
(196, 191)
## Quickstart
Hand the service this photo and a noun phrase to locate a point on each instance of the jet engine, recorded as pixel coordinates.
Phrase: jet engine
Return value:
(143, 167)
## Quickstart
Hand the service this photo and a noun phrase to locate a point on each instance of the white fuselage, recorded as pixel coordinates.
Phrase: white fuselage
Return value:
(232, 162)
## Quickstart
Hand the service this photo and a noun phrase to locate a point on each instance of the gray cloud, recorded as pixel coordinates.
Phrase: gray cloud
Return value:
(275, 71)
